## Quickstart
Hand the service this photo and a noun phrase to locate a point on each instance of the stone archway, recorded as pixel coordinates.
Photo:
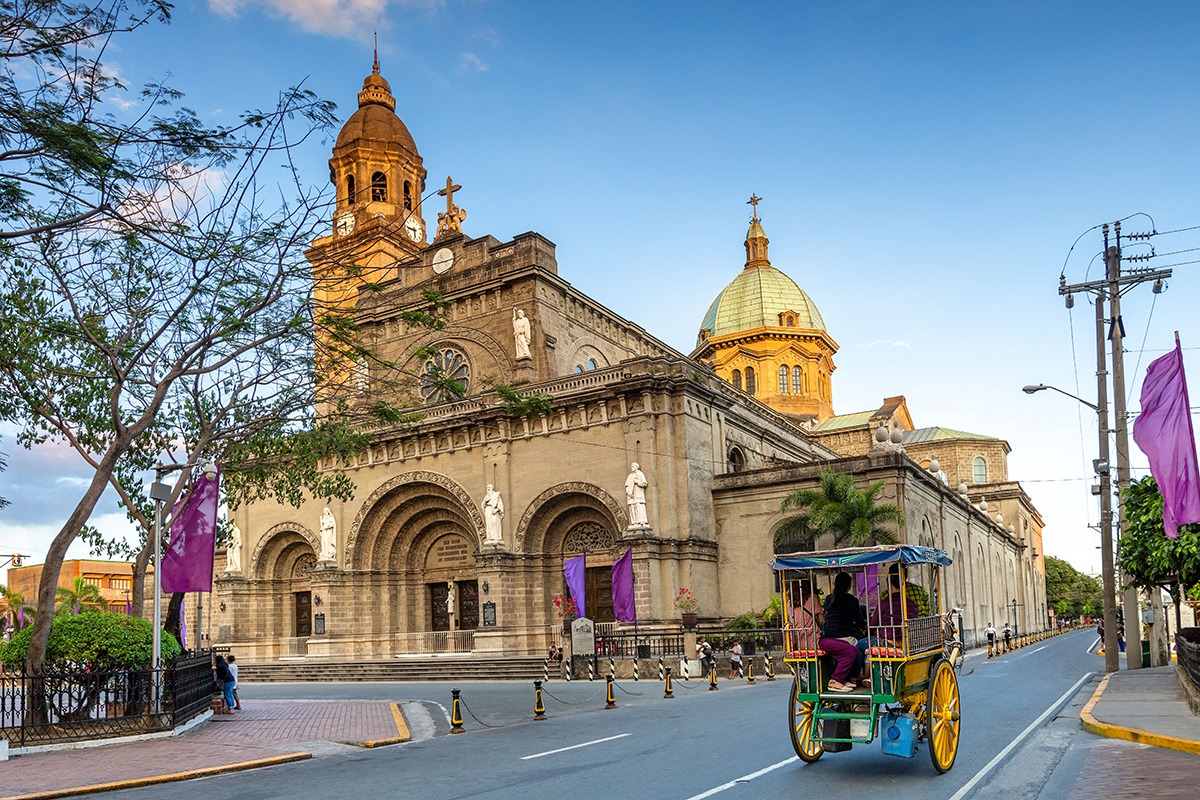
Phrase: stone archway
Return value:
(559, 499)
(385, 509)
(281, 589)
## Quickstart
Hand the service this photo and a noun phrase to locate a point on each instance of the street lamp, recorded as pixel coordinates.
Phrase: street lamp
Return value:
(161, 493)
(1112, 661)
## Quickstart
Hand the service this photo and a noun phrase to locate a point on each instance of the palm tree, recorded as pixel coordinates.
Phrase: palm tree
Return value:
(15, 613)
(854, 517)
(79, 597)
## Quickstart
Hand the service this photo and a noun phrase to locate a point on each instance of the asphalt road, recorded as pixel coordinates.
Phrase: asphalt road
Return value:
(731, 743)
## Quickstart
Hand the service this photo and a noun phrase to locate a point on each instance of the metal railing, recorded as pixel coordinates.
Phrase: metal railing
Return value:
(1187, 650)
(73, 702)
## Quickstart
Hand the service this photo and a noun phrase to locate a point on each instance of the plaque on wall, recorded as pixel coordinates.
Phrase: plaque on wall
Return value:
(489, 614)
(583, 637)
(319, 624)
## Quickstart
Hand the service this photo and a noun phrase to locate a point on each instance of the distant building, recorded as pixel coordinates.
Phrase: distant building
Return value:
(114, 579)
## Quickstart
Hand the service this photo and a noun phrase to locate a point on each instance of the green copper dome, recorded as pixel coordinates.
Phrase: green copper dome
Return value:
(756, 298)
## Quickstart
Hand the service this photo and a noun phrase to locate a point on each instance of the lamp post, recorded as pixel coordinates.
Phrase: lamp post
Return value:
(1112, 660)
(161, 493)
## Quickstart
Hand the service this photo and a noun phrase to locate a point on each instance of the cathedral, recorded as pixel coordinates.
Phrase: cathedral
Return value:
(457, 534)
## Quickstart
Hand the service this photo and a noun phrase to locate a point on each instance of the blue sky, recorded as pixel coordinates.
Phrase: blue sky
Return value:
(925, 169)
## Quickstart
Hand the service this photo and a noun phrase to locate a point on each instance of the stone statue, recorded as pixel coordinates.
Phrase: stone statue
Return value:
(521, 333)
(233, 551)
(493, 512)
(450, 599)
(635, 492)
(328, 536)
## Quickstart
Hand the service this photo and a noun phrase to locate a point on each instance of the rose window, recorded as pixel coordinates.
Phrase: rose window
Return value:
(446, 377)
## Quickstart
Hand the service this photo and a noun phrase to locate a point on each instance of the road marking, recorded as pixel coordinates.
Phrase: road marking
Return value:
(743, 779)
(575, 746)
(961, 793)
(1039, 649)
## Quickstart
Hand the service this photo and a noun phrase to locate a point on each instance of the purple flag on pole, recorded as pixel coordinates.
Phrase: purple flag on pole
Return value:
(188, 562)
(1164, 432)
(574, 572)
(182, 627)
(624, 609)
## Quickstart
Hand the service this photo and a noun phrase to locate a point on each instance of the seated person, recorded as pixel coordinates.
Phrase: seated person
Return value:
(808, 618)
(887, 617)
(844, 618)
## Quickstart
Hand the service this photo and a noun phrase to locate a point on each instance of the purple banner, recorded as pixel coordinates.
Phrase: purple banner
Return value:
(188, 562)
(574, 570)
(624, 609)
(1164, 432)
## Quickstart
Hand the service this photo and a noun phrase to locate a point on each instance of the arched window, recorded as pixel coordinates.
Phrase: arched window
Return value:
(408, 195)
(783, 380)
(737, 379)
(750, 385)
(979, 471)
(579, 367)
(379, 187)
(350, 189)
(791, 321)
(591, 363)
(797, 380)
(737, 459)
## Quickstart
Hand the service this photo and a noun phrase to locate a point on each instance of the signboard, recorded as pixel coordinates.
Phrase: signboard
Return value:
(319, 624)
(489, 614)
(449, 552)
(583, 637)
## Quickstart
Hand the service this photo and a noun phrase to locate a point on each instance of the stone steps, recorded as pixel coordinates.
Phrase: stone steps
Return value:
(408, 669)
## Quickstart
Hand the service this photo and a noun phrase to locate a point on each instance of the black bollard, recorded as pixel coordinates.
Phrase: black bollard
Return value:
(611, 700)
(456, 722)
(669, 695)
(539, 710)
(712, 678)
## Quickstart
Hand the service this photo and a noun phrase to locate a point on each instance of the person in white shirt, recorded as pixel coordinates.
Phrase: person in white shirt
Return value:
(237, 701)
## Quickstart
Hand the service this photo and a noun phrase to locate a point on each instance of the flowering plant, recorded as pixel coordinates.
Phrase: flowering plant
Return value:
(567, 609)
(685, 601)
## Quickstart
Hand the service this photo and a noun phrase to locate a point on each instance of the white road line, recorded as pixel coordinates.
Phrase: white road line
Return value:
(574, 746)
(961, 793)
(1038, 649)
(743, 779)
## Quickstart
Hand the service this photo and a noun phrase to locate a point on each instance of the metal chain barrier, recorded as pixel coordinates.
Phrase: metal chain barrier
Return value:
(484, 724)
(546, 692)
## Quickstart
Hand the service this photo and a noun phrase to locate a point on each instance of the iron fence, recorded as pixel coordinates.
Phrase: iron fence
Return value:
(670, 644)
(74, 702)
(1187, 650)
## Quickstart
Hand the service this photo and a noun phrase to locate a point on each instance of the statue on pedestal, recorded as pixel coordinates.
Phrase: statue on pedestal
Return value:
(635, 493)
(233, 551)
(493, 512)
(521, 335)
(328, 536)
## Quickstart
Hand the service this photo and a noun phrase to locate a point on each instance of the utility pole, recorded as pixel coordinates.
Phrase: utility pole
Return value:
(1111, 285)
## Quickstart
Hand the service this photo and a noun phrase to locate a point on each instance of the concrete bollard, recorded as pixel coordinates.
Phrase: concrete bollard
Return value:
(770, 669)
(661, 674)
(591, 669)
(635, 667)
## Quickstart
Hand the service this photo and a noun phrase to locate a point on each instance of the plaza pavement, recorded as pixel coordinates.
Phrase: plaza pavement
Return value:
(1148, 706)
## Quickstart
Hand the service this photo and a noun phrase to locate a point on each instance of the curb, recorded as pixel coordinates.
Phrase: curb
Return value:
(1093, 725)
(134, 783)
(401, 729)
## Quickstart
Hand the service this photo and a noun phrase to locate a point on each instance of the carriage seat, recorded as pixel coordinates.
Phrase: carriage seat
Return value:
(886, 652)
(806, 653)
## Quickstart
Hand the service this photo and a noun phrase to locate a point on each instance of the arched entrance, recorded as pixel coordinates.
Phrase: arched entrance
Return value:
(599, 545)
(452, 591)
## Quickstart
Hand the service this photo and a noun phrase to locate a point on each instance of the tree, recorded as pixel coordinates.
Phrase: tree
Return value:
(16, 613)
(1147, 557)
(854, 517)
(80, 596)
(1069, 591)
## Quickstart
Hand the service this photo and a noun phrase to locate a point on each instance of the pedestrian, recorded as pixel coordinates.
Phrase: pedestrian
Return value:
(1007, 637)
(233, 674)
(990, 630)
(1121, 635)
(704, 652)
(735, 659)
(224, 685)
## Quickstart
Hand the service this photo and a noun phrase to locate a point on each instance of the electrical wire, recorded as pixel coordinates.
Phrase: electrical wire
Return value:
(1138, 364)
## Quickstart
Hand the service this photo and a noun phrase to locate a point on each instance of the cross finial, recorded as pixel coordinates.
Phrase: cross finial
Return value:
(376, 52)
(754, 201)
(448, 193)
(450, 220)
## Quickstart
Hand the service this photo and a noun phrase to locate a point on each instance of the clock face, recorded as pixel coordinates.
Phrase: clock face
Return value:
(414, 229)
(345, 224)
(443, 260)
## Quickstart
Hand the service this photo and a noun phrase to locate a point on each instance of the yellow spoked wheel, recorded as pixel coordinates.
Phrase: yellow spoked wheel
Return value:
(943, 717)
(800, 725)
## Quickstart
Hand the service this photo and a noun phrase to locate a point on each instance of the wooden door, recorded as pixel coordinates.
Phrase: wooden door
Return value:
(440, 617)
(468, 605)
(599, 594)
(303, 613)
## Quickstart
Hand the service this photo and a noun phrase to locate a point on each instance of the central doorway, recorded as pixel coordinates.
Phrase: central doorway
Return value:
(466, 596)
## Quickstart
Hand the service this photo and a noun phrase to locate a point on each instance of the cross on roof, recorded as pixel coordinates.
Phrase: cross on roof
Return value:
(448, 193)
(754, 201)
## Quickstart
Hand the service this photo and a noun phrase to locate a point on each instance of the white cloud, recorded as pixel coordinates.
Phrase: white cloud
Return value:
(888, 343)
(469, 62)
(330, 17)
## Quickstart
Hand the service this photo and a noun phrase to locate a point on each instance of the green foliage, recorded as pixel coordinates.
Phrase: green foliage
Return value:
(1069, 591)
(518, 404)
(772, 613)
(1147, 557)
(94, 637)
(854, 517)
(81, 596)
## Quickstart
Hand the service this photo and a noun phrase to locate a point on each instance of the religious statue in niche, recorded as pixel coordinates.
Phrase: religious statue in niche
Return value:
(493, 512)
(328, 536)
(451, 600)
(233, 550)
(635, 493)
(521, 334)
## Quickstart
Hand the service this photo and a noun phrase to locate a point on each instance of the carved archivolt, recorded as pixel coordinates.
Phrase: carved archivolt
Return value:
(418, 476)
(256, 567)
(617, 510)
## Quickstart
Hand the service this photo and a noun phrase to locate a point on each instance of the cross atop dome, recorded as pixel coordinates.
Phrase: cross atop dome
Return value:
(754, 201)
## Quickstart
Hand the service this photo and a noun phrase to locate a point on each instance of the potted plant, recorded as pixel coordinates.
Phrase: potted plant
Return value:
(567, 611)
(687, 604)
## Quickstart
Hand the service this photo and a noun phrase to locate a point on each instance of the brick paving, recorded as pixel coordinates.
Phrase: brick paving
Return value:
(266, 729)
(1116, 770)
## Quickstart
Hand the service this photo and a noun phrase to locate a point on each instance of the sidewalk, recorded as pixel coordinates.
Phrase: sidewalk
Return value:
(266, 733)
(1144, 705)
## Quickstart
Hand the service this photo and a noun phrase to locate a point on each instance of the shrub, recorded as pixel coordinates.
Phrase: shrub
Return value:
(94, 637)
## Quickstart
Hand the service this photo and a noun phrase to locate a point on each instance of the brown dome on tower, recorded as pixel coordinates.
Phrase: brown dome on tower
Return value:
(376, 119)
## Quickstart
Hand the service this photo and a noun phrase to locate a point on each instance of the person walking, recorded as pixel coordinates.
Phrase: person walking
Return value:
(704, 652)
(990, 630)
(1007, 637)
(735, 659)
(225, 684)
(233, 674)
